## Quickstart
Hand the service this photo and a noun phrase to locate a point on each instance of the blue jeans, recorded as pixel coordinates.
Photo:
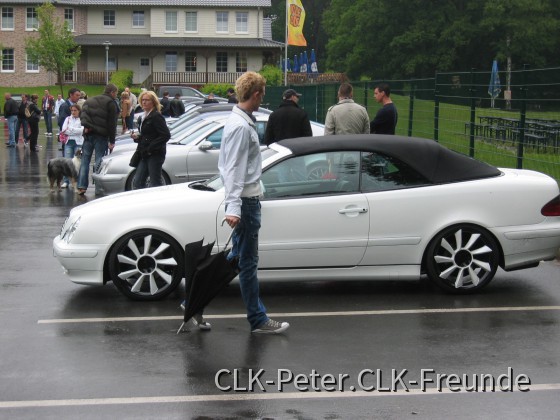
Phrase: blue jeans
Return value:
(70, 151)
(22, 123)
(12, 122)
(92, 143)
(245, 242)
(151, 167)
(48, 120)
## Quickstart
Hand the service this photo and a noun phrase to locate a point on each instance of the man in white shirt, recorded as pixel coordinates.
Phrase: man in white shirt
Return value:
(240, 169)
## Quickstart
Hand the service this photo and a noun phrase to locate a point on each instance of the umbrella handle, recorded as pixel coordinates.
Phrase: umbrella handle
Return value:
(230, 235)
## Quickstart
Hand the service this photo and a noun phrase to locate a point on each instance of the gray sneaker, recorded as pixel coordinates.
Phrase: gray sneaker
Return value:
(199, 321)
(272, 327)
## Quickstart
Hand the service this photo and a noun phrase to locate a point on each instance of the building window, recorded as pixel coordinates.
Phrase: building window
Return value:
(221, 62)
(191, 22)
(8, 60)
(138, 19)
(170, 21)
(109, 18)
(69, 18)
(112, 64)
(241, 22)
(31, 21)
(241, 62)
(30, 65)
(190, 61)
(222, 22)
(7, 18)
(171, 61)
(144, 62)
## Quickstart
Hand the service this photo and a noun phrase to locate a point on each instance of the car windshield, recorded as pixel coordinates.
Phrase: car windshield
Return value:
(195, 133)
(215, 183)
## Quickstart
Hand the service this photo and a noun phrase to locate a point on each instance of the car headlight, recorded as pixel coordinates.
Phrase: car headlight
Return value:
(104, 167)
(68, 230)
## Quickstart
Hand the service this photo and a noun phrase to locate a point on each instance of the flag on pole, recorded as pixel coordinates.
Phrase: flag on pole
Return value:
(296, 17)
(314, 68)
(494, 88)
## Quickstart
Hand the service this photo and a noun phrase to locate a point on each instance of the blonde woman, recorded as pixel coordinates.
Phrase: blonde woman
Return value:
(152, 136)
(125, 111)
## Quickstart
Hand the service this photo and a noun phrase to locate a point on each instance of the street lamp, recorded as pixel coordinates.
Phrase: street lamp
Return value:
(107, 45)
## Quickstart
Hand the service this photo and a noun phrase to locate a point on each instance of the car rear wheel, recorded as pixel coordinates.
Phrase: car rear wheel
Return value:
(128, 186)
(146, 264)
(462, 259)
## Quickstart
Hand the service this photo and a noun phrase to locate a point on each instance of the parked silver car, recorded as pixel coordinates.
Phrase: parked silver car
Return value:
(192, 153)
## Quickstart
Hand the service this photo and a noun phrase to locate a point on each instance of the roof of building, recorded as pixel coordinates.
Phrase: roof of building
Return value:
(193, 42)
(154, 3)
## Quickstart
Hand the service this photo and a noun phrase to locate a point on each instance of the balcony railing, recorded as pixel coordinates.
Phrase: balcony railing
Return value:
(198, 78)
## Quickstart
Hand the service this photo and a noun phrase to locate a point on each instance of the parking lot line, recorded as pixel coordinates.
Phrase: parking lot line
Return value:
(307, 314)
(245, 397)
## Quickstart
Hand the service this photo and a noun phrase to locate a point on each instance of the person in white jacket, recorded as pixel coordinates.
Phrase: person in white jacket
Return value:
(72, 128)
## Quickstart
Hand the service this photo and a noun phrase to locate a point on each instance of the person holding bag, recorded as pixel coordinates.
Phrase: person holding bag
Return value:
(33, 116)
(152, 139)
(71, 136)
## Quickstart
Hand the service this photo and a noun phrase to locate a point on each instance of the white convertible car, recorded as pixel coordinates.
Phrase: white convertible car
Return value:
(335, 207)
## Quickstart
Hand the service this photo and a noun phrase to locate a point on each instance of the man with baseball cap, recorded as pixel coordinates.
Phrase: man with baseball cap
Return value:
(288, 121)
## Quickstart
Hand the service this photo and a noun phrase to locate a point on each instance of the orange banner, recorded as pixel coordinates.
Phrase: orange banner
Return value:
(296, 17)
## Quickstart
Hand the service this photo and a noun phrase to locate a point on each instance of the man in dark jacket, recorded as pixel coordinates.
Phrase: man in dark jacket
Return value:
(99, 118)
(176, 107)
(21, 122)
(165, 105)
(288, 121)
(11, 114)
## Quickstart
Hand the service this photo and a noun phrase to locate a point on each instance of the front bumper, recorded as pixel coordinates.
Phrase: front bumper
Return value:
(109, 184)
(83, 264)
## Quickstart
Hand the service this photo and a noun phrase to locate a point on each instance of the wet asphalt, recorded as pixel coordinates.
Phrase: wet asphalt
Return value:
(66, 352)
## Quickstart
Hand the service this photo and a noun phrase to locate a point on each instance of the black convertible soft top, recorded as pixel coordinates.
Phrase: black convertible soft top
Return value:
(437, 163)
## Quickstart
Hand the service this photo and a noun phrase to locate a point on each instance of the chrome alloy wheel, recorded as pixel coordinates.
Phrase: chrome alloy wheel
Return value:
(464, 258)
(146, 265)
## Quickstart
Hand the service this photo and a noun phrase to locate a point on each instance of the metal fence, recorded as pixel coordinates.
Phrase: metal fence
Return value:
(522, 130)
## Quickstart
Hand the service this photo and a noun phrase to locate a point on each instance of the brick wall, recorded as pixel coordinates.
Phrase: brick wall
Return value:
(16, 39)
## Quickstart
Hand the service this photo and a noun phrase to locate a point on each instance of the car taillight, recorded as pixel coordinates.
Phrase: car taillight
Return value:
(552, 208)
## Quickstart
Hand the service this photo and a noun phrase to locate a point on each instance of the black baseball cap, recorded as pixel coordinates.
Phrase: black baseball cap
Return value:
(289, 93)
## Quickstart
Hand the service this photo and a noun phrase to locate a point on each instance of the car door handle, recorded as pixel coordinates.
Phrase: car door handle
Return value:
(353, 210)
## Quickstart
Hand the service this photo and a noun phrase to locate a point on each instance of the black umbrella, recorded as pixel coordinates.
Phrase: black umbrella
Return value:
(205, 275)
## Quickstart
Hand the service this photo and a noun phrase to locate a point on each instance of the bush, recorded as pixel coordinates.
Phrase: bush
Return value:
(122, 79)
(218, 89)
(273, 75)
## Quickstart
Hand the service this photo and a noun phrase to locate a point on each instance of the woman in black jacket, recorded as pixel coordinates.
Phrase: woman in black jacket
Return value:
(33, 121)
(152, 138)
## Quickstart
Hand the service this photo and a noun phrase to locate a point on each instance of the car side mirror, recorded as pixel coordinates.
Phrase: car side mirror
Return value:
(206, 145)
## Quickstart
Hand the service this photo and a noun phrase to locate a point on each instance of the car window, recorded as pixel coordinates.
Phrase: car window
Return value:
(261, 128)
(312, 175)
(382, 173)
(216, 138)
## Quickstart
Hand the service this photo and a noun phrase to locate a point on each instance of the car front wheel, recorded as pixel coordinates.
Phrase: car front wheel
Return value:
(462, 259)
(146, 264)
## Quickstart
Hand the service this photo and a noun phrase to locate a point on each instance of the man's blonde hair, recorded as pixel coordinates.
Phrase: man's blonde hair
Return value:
(249, 83)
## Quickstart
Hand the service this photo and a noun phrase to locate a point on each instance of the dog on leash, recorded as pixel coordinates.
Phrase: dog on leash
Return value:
(58, 168)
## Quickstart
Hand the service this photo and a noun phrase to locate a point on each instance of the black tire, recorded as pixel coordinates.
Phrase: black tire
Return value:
(128, 185)
(462, 259)
(146, 264)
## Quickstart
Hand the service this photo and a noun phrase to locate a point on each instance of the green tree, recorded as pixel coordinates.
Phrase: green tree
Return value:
(414, 38)
(54, 48)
